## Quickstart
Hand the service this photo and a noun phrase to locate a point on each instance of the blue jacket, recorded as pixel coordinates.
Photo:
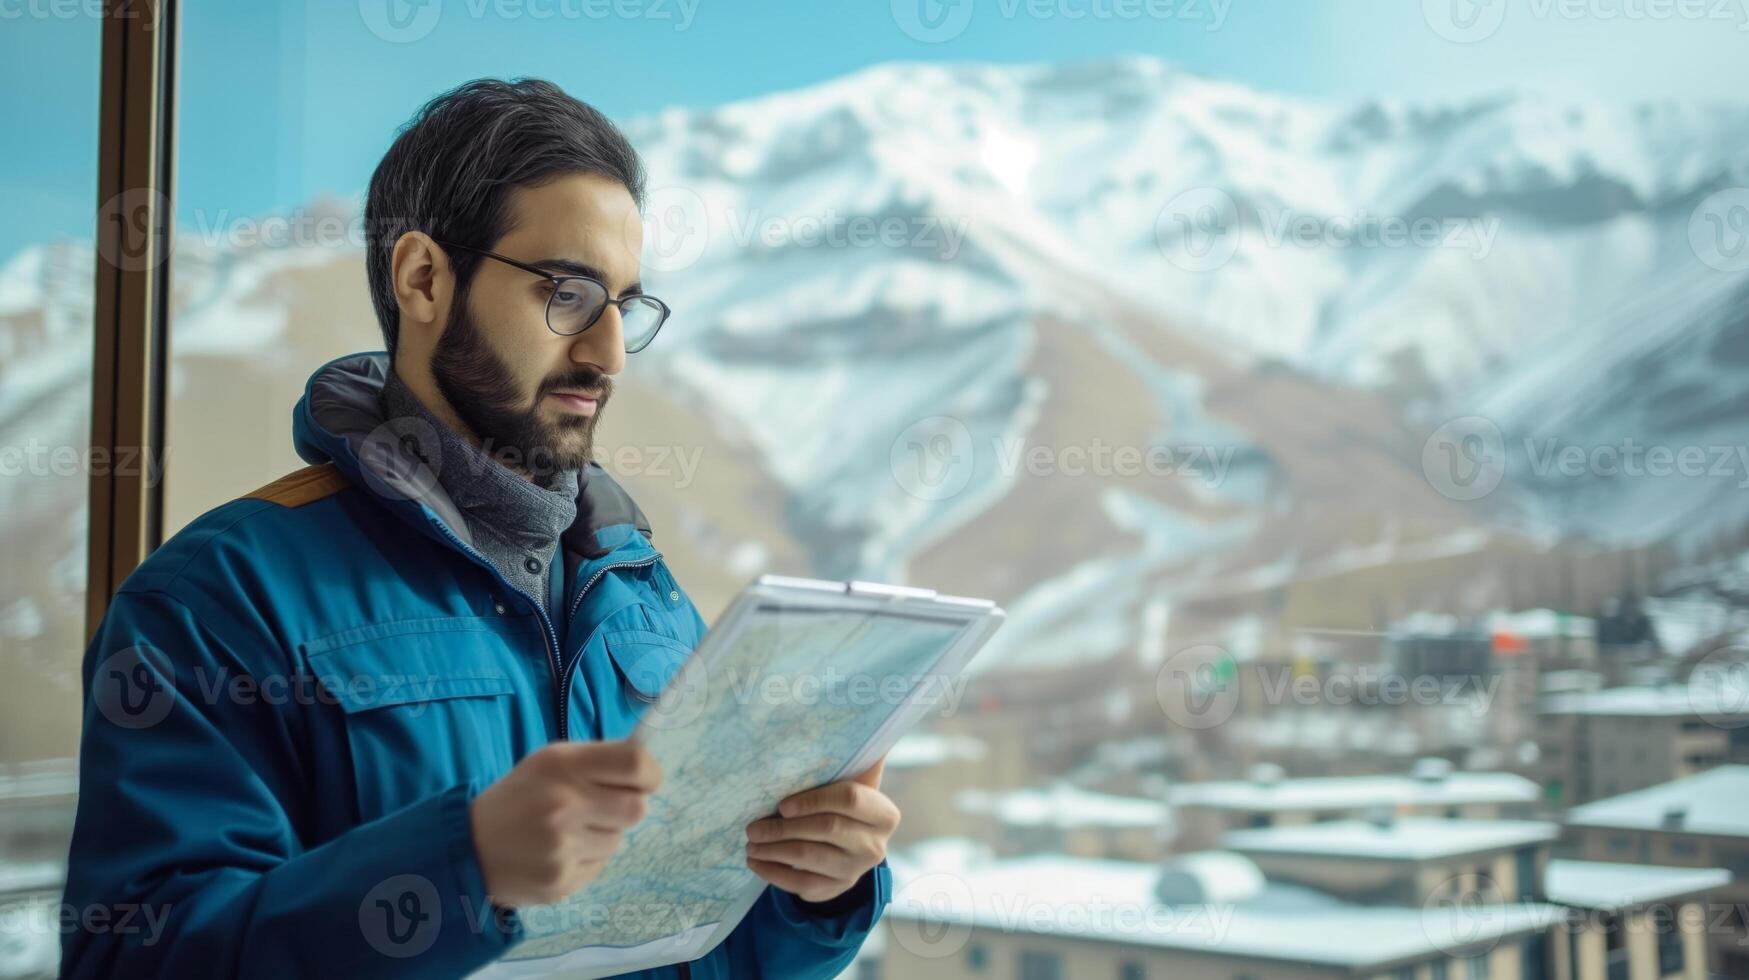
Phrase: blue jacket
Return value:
(291, 703)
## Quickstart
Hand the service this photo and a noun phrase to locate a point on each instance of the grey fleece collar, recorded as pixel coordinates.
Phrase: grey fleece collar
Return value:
(494, 500)
(341, 414)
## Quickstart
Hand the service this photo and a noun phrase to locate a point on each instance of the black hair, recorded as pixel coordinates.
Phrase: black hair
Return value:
(450, 171)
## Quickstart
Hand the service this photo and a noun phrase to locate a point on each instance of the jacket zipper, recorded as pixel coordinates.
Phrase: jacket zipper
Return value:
(552, 635)
(561, 676)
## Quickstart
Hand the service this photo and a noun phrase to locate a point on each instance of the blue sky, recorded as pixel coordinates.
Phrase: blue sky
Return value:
(284, 101)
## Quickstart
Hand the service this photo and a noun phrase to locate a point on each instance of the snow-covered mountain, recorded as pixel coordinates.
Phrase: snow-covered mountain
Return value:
(896, 289)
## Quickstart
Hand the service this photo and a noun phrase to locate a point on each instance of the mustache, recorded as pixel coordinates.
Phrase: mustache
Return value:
(588, 381)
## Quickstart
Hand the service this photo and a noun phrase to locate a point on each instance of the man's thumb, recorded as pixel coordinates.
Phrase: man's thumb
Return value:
(871, 777)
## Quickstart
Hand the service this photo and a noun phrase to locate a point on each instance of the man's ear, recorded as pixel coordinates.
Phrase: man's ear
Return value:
(424, 282)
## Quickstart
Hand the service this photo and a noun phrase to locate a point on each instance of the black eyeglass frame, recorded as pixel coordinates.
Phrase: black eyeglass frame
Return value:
(558, 278)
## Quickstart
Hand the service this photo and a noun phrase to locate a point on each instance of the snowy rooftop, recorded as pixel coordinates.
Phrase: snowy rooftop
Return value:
(1685, 622)
(1062, 805)
(50, 778)
(1609, 886)
(1711, 802)
(1356, 792)
(32, 876)
(1114, 901)
(1571, 681)
(1402, 838)
(1721, 694)
(926, 749)
(1541, 623)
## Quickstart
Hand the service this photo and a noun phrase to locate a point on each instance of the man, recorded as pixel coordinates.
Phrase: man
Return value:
(349, 724)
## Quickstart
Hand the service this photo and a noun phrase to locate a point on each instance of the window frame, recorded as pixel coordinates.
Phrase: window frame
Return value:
(135, 216)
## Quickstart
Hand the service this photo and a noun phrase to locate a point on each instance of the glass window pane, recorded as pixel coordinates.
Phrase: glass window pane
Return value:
(1295, 404)
(48, 176)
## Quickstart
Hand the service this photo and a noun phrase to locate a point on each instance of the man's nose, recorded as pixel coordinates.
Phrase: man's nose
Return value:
(603, 344)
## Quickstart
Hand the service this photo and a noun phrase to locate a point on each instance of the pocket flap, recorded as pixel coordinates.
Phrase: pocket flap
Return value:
(647, 660)
(410, 662)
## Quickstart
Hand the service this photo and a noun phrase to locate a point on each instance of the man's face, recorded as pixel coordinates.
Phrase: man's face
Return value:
(499, 366)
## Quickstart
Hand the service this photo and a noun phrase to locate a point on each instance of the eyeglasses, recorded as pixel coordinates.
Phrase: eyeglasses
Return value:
(576, 302)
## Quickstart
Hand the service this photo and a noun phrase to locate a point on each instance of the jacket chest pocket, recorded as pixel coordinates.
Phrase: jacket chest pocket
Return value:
(646, 660)
(643, 664)
(423, 706)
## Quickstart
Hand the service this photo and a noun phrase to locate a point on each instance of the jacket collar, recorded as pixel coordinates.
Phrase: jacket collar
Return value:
(339, 419)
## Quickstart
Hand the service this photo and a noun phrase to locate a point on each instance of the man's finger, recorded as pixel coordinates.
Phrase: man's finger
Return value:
(834, 828)
(805, 885)
(595, 845)
(848, 797)
(828, 860)
(871, 777)
(619, 764)
(604, 808)
(839, 797)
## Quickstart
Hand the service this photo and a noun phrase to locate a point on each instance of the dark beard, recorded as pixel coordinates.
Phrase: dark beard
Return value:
(484, 393)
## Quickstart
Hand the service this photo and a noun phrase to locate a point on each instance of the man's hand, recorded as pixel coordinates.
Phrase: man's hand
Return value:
(823, 840)
(549, 825)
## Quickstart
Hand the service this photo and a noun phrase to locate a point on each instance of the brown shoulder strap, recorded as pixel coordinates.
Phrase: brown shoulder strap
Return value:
(300, 487)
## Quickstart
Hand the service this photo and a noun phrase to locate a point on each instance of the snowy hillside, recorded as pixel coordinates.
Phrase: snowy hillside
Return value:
(1099, 255)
